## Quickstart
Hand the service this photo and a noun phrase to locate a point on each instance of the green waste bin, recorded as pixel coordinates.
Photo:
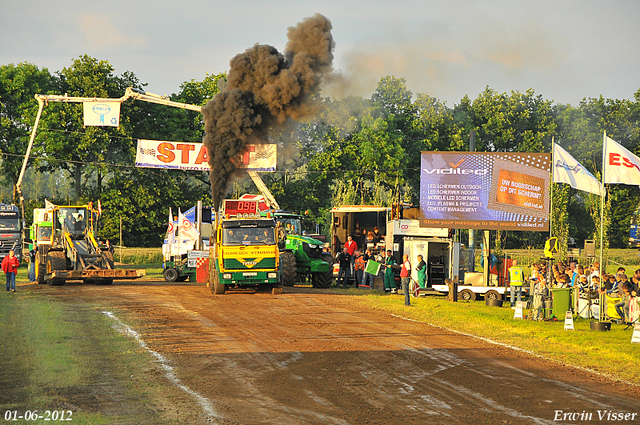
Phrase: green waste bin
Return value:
(561, 301)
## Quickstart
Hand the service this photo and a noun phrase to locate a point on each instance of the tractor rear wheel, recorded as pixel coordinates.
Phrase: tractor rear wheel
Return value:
(288, 268)
(56, 261)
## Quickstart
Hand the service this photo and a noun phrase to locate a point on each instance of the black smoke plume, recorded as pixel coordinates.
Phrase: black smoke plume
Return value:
(265, 89)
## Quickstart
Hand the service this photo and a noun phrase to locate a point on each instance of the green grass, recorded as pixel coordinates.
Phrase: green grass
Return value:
(67, 356)
(607, 352)
(138, 255)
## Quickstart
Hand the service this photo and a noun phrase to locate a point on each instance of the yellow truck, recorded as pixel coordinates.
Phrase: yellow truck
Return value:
(246, 252)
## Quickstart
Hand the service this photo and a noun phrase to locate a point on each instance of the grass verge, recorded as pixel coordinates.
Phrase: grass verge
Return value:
(67, 357)
(609, 352)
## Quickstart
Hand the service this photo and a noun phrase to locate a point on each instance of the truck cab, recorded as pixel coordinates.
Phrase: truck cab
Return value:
(10, 231)
(246, 252)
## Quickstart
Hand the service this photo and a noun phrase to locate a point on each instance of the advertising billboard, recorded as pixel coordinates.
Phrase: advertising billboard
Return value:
(485, 190)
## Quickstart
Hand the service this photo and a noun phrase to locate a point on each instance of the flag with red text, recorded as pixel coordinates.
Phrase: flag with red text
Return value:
(620, 165)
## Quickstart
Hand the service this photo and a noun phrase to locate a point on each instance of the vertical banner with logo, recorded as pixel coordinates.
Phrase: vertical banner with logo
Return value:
(485, 190)
(105, 114)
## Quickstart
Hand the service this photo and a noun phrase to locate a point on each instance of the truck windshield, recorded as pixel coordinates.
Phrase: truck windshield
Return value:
(44, 233)
(9, 224)
(248, 236)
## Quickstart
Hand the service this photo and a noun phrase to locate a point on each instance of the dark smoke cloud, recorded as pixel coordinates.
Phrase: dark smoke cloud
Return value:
(265, 89)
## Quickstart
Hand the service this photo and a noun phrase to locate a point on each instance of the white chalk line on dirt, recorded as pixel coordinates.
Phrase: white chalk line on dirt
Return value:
(513, 347)
(164, 364)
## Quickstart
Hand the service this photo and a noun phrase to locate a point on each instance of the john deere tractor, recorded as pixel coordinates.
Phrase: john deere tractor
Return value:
(301, 256)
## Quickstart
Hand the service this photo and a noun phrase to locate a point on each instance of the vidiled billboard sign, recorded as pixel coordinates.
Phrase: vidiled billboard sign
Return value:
(485, 190)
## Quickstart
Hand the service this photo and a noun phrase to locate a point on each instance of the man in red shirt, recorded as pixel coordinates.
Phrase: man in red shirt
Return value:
(405, 276)
(351, 246)
(10, 266)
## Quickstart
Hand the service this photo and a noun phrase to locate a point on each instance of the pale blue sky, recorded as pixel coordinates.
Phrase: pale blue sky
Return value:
(564, 50)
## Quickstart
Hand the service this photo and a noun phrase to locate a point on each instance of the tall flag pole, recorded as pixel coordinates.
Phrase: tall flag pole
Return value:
(604, 193)
(553, 161)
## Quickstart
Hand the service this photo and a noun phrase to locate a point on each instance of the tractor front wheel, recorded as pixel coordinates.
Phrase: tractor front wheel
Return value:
(56, 261)
(171, 275)
(41, 267)
(288, 268)
(322, 280)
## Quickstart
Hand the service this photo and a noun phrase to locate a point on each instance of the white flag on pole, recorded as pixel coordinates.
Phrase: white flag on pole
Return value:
(567, 170)
(620, 165)
(171, 231)
(187, 228)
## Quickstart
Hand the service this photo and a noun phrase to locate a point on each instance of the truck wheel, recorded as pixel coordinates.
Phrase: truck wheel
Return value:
(492, 295)
(56, 261)
(41, 267)
(170, 275)
(218, 288)
(467, 295)
(289, 268)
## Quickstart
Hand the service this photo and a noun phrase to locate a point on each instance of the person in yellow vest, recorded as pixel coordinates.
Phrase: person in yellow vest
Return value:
(516, 280)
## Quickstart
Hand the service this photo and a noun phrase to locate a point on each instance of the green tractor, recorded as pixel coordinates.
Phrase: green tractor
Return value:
(301, 256)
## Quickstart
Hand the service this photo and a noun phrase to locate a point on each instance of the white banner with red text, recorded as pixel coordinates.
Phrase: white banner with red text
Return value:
(194, 156)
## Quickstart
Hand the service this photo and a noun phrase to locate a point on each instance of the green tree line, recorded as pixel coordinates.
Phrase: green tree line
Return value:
(355, 151)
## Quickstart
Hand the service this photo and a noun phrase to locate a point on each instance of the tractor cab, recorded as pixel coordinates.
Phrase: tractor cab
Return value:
(74, 221)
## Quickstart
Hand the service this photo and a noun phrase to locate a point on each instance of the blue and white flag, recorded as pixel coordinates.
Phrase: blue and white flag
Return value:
(567, 170)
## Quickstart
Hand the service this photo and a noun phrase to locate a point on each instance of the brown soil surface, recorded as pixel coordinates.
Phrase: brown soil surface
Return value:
(316, 357)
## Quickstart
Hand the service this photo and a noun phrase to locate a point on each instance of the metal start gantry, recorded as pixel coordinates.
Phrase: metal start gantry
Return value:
(130, 93)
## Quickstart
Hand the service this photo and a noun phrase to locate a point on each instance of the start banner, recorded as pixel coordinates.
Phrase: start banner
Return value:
(194, 156)
(485, 190)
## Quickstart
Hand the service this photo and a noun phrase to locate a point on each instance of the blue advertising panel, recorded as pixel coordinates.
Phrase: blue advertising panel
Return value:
(485, 190)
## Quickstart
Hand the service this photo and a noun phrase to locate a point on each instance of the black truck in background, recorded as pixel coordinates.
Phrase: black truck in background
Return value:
(10, 231)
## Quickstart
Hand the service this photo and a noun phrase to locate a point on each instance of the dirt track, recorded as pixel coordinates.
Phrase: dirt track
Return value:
(309, 356)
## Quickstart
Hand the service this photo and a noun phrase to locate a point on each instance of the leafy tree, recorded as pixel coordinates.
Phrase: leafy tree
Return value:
(71, 147)
(141, 198)
(515, 123)
(18, 85)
